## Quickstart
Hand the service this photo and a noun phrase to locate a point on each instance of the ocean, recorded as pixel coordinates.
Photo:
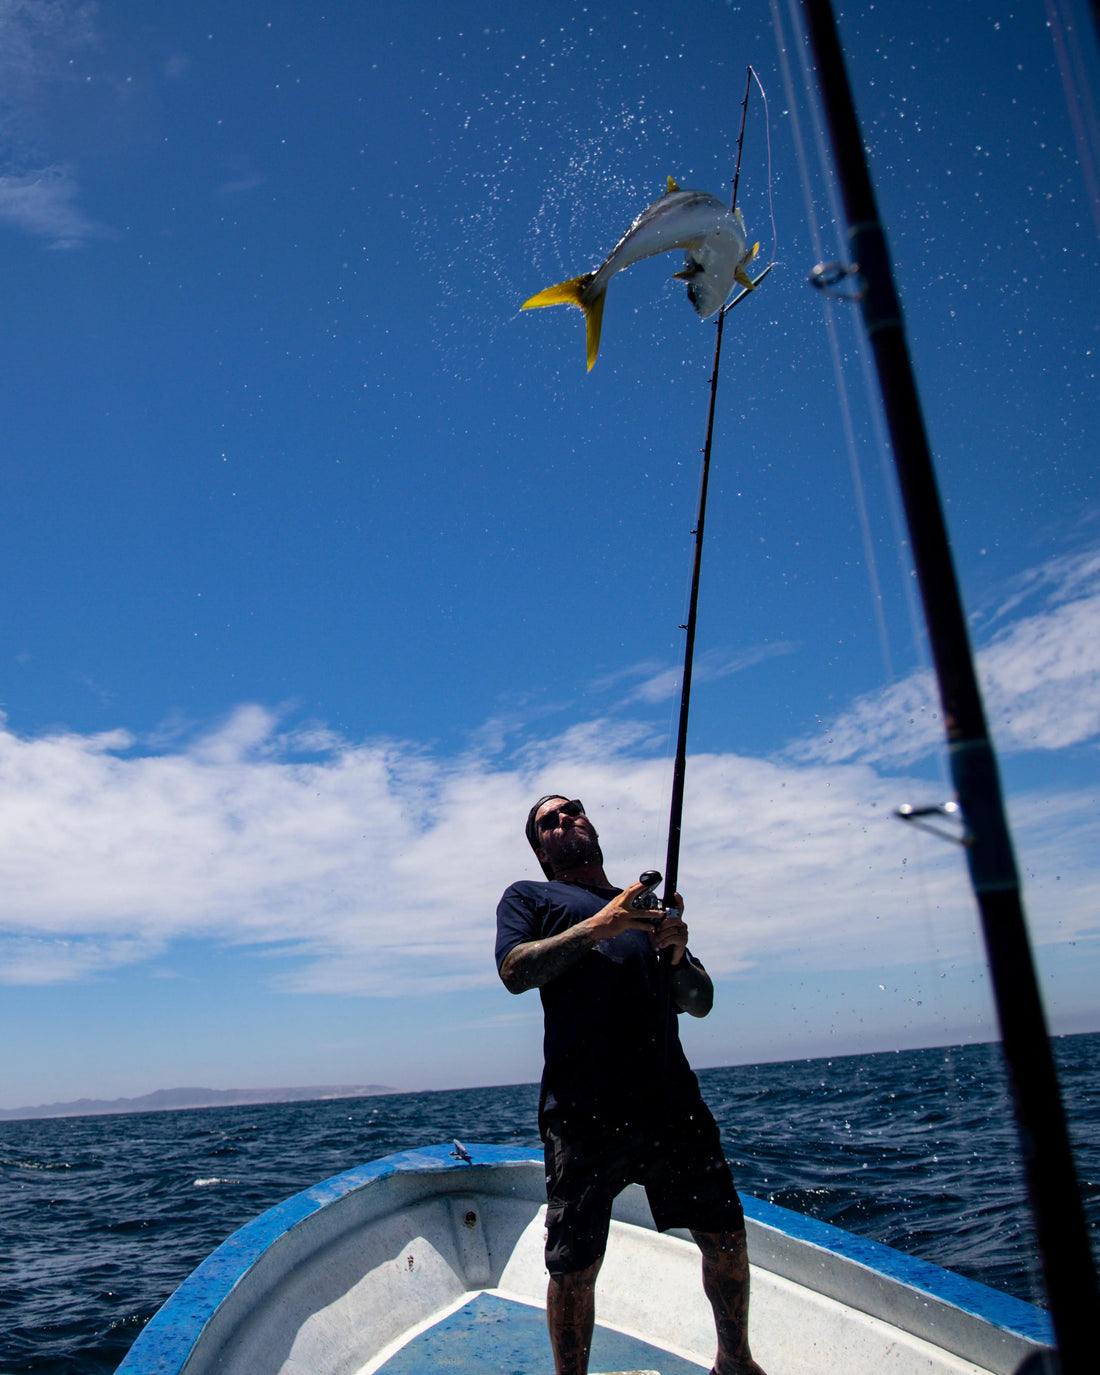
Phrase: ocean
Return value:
(101, 1217)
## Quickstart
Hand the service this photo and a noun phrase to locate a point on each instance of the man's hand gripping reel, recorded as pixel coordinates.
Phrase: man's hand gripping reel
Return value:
(649, 901)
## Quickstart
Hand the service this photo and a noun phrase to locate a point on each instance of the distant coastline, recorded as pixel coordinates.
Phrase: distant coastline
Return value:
(172, 1100)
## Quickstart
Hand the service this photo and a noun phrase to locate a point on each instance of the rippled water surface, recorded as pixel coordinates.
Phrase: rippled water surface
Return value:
(101, 1217)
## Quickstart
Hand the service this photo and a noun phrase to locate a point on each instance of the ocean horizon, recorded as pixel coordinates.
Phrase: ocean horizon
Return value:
(187, 1098)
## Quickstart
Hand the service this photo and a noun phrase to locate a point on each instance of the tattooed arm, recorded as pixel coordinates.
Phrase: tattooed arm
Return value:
(534, 963)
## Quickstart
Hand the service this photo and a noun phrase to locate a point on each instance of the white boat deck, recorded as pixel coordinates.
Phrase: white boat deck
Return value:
(420, 1263)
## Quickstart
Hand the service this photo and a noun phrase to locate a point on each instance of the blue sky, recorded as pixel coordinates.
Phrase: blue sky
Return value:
(321, 560)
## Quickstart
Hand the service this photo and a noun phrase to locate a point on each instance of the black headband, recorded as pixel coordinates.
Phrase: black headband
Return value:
(532, 834)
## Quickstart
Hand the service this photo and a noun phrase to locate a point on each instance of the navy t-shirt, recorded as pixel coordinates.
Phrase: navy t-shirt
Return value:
(603, 1029)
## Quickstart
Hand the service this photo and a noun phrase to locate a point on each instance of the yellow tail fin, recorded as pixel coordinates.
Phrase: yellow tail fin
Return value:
(564, 294)
(570, 294)
(741, 275)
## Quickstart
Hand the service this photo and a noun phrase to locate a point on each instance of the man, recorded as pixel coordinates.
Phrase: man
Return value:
(618, 1103)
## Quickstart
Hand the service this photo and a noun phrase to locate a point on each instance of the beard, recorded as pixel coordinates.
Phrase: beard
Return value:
(578, 849)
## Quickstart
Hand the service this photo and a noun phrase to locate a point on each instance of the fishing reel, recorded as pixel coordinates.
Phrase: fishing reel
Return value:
(649, 901)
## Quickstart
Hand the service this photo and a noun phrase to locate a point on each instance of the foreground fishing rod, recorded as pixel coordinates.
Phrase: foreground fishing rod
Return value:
(1054, 1195)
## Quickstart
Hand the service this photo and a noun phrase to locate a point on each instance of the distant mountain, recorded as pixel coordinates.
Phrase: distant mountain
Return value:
(168, 1100)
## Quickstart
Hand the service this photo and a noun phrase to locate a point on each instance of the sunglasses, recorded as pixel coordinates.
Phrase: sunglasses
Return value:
(550, 819)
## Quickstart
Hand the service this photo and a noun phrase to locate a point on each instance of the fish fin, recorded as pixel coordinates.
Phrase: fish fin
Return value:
(563, 294)
(593, 322)
(571, 293)
(743, 279)
(672, 186)
(753, 251)
(737, 215)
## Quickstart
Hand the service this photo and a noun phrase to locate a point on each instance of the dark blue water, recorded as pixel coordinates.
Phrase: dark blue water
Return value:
(101, 1217)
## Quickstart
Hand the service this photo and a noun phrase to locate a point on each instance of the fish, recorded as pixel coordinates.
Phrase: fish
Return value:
(717, 255)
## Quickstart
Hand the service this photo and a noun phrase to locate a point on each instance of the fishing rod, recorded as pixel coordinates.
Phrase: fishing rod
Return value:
(679, 767)
(1053, 1191)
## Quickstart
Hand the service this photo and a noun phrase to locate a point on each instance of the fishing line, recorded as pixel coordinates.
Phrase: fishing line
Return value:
(1077, 90)
(873, 408)
(768, 148)
(901, 542)
(847, 423)
(919, 869)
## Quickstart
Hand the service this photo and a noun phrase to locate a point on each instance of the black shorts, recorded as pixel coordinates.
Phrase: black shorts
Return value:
(680, 1164)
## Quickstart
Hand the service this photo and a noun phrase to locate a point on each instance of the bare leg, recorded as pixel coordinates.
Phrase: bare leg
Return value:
(726, 1285)
(571, 1316)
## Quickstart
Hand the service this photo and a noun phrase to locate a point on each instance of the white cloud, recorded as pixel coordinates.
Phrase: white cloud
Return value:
(43, 204)
(659, 681)
(1061, 579)
(376, 868)
(34, 37)
(241, 185)
(1040, 677)
(39, 40)
(42, 960)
